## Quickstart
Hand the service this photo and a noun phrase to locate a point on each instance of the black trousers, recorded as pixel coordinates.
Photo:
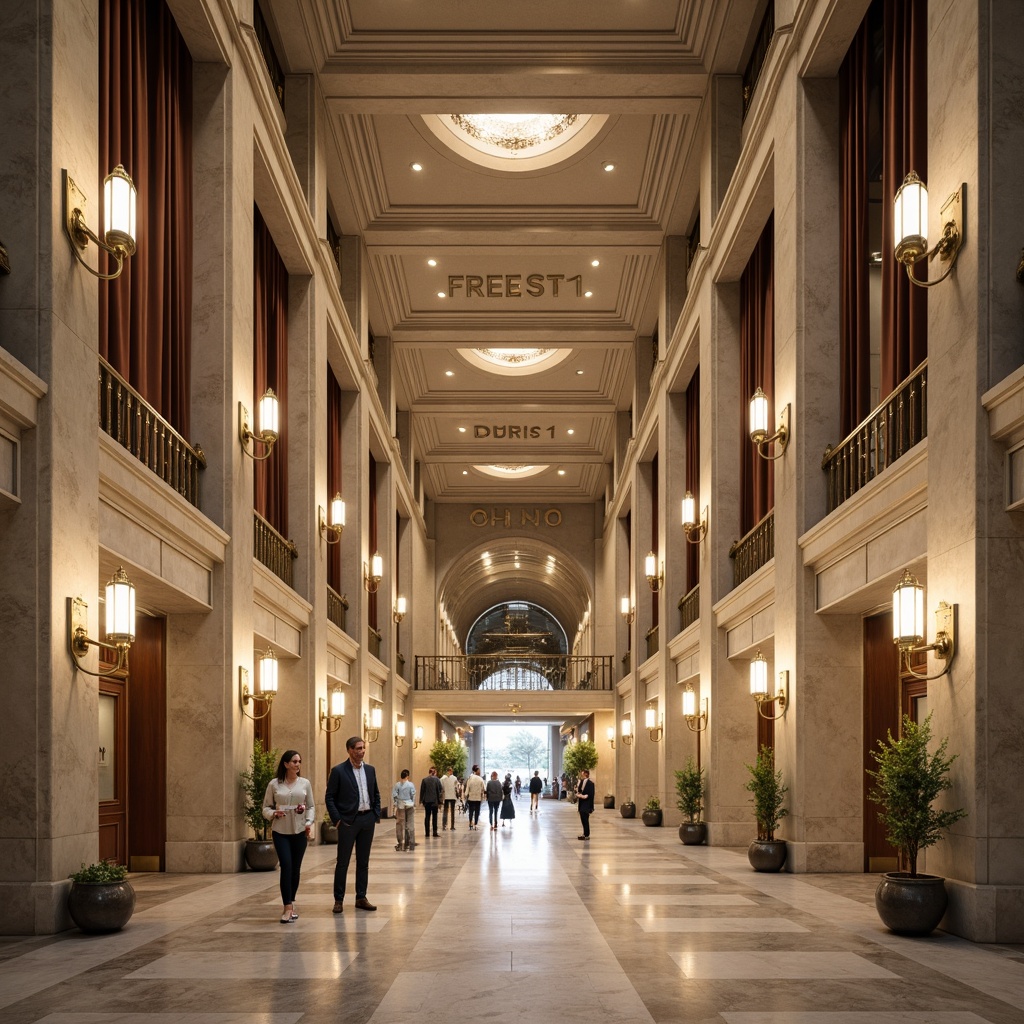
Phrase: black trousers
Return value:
(360, 836)
(430, 818)
(474, 812)
(290, 851)
(585, 819)
(449, 808)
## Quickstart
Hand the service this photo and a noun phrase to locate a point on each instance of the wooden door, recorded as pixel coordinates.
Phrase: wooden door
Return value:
(111, 769)
(881, 715)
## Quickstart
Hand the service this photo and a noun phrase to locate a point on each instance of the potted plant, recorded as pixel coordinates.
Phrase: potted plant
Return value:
(690, 790)
(609, 801)
(260, 854)
(627, 808)
(652, 812)
(907, 782)
(578, 756)
(101, 898)
(766, 853)
(328, 830)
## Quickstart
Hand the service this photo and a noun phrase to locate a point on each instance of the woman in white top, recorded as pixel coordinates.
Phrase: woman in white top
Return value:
(288, 806)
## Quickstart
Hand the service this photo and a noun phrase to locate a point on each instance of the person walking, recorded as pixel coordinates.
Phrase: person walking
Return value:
(288, 806)
(494, 796)
(450, 792)
(519, 786)
(508, 809)
(353, 804)
(403, 798)
(476, 789)
(431, 794)
(585, 802)
(535, 790)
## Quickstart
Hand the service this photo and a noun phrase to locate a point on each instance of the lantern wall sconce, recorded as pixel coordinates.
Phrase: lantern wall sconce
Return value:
(759, 427)
(120, 626)
(374, 574)
(266, 689)
(694, 530)
(331, 721)
(399, 732)
(654, 725)
(655, 575)
(400, 608)
(759, 688)
(118, 219)
(417, 736)
(694, 722)
(908, 630)
(268, 410)
(372, 723)
(627, 611)
(910, 228)
(331, 525)
(626, 731)
(611, 736)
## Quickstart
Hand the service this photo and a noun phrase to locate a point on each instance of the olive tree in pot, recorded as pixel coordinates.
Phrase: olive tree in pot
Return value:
(260, 854)
(652, 813)
(101, 898)
(578, 756)
(766, 853)
(690, 789)
(907, 782)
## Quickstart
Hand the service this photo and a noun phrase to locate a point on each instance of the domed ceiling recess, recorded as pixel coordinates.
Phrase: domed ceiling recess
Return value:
(516, 628)
(514, 361)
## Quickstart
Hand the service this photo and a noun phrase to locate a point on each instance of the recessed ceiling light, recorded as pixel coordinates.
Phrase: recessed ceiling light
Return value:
(465, 472)
(570, 431)
(561, 472)
(609, 166)
(462, 430)
(441, 295)
(431, 263)
(595, 263)
(449, 373)
(587, 295)
(418, 167)
(579, 373)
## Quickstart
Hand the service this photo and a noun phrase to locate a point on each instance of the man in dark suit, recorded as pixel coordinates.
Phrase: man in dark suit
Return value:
(353, 802)
(585, 802)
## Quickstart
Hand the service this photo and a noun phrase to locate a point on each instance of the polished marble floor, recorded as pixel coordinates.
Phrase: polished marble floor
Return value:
(523, 924)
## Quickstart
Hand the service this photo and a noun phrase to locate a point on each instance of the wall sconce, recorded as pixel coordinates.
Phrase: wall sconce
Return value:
(655, 578)
(120, 625)
(910, 227)
(759, 687)
(693, 529)
(331, 722)
(118, 219)
(268, 410)
(373, 575)
(908, 631)
(759, 427)
(417, 736)
(266, 690)
(332, 525)
(611, 736)
(399, 732)
(654, 725)
(627, 731)
(372, 723)
(400, 606)
(627, 611)
(694, 722)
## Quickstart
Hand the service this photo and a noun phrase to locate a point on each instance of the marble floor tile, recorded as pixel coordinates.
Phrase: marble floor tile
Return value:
(307, 923)
(788, 965)
(753, 925)
(650, 878)
(685, 900)
(266, 966)
(854, 1017)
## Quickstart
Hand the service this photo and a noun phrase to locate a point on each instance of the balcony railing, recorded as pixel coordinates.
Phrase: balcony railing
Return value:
(337, 608)
(888, 433)
(754, 550)
(501, 672)
(373, 639)
(131, 421)
(689, 608)
(269, 548)
(652, 641)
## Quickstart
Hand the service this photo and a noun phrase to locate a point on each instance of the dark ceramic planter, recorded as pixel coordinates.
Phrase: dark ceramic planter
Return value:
(909, 905)
(609, 803)
(652, 818)
(693, 833)
(260, 855)
(767, 854)
(101, 908)
(328, 834)
(628, 809)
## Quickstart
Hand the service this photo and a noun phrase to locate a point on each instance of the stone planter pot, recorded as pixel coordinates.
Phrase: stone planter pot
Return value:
(767, 854)
(609, 803)
(328, 833)
(101, 908)
(260, 855)
(628, 809)
(909, 905)
(693, 833)
(652, 819)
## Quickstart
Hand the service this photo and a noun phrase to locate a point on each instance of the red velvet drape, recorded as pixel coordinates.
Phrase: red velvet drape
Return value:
(270, 370)
(371, 611)
(693, 469)
(145, 84)
(654, 535)
(905, 148)
(334, 467)
(757, 368)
